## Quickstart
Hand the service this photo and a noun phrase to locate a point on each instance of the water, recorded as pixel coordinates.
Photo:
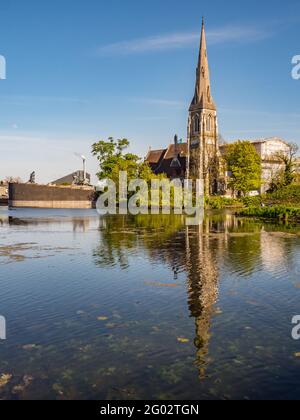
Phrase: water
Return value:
(132, 308)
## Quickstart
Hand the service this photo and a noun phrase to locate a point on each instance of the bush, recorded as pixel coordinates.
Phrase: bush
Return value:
(252, 201)
(287, 195)
(274, 212)
(219, 203)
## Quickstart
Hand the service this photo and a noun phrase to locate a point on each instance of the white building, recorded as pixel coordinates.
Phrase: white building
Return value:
(268, 149)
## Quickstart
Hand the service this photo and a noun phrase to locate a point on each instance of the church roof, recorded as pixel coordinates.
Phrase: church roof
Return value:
(154, 156)
(182, 150)
(203, 98)
(165, 160)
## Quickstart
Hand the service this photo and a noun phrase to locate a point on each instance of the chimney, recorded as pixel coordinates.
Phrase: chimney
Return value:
(176, 146)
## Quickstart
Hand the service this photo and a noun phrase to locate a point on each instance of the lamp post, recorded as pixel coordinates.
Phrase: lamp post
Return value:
(84, 168)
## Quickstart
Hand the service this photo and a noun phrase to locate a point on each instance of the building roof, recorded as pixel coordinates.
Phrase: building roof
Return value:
(170, 160)
(182, 151)
(259, 141)
(268, 139)
(154, 156)
(69, 179)
(175, 156)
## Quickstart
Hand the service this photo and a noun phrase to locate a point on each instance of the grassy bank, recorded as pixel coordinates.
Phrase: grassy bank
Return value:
(282, 205)
(220, 203)
(281, 213)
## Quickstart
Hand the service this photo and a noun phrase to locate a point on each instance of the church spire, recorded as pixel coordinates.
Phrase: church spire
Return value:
(203, 98)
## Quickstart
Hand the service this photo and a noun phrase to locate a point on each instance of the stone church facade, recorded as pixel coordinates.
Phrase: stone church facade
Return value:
(201, 156)
(203, 147)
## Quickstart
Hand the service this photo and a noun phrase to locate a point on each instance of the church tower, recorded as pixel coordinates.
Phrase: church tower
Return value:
(203, 127)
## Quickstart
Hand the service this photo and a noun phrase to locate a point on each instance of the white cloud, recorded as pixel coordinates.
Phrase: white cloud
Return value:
(160, 102)
(184, 39)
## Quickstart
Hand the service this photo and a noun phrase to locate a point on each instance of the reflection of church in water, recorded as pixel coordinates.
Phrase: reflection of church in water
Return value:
(203, 279)
(197, 256)
(194, 253)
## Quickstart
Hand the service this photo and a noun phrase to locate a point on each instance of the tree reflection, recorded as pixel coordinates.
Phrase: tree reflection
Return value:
(222, 240)
(123, 236)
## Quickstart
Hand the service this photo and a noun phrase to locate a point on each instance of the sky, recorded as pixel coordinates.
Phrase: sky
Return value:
(80, 71)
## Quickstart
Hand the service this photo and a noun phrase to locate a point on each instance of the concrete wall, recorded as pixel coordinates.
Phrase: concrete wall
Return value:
(44, 196)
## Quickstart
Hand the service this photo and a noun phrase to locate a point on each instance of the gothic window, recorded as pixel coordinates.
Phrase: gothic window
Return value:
(208, 123)
(196, 124)
(202, 71)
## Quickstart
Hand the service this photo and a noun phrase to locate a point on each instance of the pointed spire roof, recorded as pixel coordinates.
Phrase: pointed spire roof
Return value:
(203, 98)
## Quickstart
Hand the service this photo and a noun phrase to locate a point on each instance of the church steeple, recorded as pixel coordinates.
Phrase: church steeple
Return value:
(203, 98)
(203, 126)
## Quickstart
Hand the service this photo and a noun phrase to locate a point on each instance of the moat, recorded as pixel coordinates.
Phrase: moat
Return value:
(147, 308)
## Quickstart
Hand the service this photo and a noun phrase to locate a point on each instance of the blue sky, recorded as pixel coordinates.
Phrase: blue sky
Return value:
(80, 71)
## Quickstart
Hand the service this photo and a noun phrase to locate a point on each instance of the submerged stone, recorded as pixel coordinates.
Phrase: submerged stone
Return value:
(5, 378)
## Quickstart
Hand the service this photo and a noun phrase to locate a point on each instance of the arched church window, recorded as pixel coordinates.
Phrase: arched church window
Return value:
(196, 124)
(202, 71)
(209, 123)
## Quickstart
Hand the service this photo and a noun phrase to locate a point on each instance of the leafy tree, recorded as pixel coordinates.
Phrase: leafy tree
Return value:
(244, 165)
(112, 158)
(289, 161)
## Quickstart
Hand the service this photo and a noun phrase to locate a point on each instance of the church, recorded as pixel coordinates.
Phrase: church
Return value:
(201, 156)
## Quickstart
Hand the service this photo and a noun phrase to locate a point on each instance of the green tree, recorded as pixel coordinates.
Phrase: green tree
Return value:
(288, 159)
(113, 159)
(244, 165)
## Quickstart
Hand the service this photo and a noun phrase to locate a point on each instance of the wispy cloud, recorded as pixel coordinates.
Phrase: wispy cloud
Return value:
(185, 39)
(160, 102)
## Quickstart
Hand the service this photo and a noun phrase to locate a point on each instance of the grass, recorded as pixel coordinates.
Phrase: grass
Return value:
(281, 213)
(220, 203)
(282, 205)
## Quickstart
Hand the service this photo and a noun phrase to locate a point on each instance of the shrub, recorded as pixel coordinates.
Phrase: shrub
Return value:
(219, 203)
(289, 195)
(274, 212)
(252, 201)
